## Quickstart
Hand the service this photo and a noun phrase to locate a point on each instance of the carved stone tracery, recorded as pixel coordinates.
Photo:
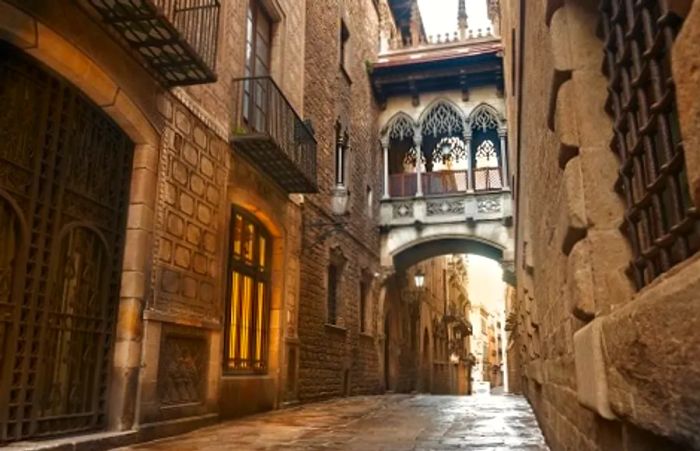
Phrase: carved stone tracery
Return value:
(442, 119)
(445, 208)
(484, 118)
(400, 128)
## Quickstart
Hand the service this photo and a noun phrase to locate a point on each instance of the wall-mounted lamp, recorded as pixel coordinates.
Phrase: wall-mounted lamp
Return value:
(419, 279)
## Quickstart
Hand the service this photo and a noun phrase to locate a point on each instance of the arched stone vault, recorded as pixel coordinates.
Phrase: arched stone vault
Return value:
(403, 247)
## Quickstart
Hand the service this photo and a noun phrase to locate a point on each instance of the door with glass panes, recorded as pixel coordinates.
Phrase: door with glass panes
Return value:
(256, 96)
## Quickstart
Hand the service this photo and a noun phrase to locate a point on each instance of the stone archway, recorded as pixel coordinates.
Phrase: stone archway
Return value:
(67, 60)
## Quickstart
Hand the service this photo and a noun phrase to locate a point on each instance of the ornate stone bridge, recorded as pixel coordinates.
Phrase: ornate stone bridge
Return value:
(418, 228)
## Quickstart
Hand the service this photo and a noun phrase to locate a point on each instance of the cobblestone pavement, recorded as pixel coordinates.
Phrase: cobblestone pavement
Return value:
(391, 422)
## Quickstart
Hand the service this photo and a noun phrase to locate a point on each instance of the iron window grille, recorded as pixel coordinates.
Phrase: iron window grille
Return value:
(661, 222)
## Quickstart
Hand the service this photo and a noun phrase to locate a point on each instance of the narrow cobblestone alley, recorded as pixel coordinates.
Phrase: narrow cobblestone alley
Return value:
(391, 422)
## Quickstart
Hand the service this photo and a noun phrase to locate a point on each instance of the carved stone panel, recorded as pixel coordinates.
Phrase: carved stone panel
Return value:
(445, 207)
(182, 369)
(403, 210)
(488, 205)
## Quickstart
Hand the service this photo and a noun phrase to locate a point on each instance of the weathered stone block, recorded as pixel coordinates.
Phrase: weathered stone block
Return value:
(645, 338)
(576, 220)
(591, 376)
(686, 76)
(579, 280)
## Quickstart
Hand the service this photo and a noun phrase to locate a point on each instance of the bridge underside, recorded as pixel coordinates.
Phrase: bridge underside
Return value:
(434, 248)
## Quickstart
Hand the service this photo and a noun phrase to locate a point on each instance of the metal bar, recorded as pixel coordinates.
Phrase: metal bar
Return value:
(662, 225)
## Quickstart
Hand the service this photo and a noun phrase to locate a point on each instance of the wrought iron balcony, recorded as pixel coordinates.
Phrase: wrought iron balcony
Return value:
(271, 134)
(177, 39)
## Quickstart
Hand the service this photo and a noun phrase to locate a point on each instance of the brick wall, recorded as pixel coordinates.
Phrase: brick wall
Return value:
(330, 355)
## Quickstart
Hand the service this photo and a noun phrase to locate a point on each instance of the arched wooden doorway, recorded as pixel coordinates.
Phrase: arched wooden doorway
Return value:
(66, 167)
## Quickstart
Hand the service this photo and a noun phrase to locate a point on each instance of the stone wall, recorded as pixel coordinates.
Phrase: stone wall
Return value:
(167, 366)
(339, 359)
(599, 362)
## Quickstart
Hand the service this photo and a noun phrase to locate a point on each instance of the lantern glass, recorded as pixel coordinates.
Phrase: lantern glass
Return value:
(419, 279)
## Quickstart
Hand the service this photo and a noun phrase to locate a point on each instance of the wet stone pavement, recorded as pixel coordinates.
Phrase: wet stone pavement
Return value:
(390, 422)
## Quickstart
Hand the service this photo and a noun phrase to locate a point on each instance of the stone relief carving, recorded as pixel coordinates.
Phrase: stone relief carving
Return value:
(403, 210)
(182, 369)
(488, 205)
(445, 207)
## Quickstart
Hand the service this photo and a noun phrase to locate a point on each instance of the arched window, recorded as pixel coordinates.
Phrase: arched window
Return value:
(486, 155)
(442, 120)
(401, 128)
(248, 303)
(486, 159)
(450, 154)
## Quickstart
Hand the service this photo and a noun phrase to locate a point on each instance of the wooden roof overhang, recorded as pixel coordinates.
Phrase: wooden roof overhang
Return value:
(437, 69)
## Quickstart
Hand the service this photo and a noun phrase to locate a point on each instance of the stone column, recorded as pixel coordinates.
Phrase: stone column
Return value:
(504, 157)
(470, 174)
(417, 141)
(385, 152)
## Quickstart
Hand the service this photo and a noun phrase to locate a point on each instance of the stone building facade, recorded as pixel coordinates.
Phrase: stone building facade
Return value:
(603, 130)
(339, 259)
(427, 330)
(211, 251)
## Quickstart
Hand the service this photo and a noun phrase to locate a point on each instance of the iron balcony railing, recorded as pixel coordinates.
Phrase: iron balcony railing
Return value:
(445, 182)
(177, 39)
(271, 134)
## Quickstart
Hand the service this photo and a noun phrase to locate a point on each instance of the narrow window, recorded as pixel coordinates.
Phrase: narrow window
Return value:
(247, 306)
(341, 144)
(332, 304)
(257, 65)
(662, 226)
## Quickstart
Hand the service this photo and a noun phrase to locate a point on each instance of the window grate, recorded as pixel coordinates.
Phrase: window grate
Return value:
(661, 222)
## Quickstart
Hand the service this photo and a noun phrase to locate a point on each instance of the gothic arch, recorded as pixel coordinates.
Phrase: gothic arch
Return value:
(399, 126)
(485, 116)
(442, 117)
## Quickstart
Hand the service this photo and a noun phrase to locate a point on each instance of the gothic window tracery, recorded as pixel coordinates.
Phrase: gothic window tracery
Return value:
(450, 153)
(409, 160)
(442, 119)
(484, 119)
(401, 128)
(486, 155)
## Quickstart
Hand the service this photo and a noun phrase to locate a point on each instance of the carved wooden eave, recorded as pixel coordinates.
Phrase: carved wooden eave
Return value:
(438, 68)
